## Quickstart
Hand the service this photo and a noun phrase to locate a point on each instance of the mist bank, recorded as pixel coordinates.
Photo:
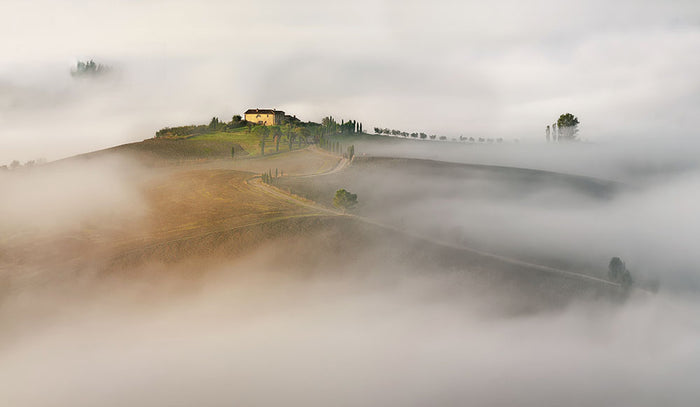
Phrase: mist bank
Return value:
(269, 330)
(337, 312)
(635, 161)
(570, 222)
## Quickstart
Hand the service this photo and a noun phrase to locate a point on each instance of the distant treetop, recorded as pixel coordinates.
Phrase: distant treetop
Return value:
(568, 127)
(89, 69)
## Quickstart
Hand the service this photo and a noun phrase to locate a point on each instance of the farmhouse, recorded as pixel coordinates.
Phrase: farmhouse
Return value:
(267, 117)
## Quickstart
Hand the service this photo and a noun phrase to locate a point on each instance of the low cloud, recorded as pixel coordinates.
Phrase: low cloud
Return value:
(265, 336)
(70, 196)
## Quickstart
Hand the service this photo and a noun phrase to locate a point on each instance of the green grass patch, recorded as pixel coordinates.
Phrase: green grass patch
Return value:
(248, 141)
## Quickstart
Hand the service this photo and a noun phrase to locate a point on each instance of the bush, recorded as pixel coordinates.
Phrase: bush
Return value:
(344, 199)
(183, 131)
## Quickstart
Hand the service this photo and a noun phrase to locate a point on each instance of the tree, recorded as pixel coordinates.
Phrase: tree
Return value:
(262, 132)
(236, 122)
(315, 133)
(214, 123)
(617, 272)
(89, 69)
(276, 133)
(344, 199)
(303, 135)
(568, 127)
(291, 137)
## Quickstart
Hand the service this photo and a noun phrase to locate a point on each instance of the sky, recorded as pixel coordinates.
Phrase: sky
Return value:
(627, 69)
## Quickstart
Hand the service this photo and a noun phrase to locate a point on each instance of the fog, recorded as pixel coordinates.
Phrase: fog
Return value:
(259, 333)
(348, 310)
(56, 198)
(588, 203)
(324, 320)
(633, 162)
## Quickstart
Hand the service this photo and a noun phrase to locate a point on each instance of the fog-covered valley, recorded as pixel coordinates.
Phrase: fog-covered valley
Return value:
(167, 272)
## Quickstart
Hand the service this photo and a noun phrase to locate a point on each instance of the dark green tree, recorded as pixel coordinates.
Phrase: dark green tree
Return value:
(276, 133)
(303, 135)
(89, 69)
(568, 127)
(262, 132)
(291, 137)
(344, 199)
(214, 123)
(618, 272)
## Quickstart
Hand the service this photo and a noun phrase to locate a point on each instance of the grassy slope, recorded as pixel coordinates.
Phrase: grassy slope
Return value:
(248, 141)
(164, 151)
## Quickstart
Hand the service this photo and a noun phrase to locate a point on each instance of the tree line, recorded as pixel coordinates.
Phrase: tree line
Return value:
(399, 133)
(269, 177)
(423, 136)
(336, 147)
(215, 125)
(331, 126)
(89, 69)
(16, 164)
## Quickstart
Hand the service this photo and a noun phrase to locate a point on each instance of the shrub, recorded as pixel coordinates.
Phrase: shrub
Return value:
(344, 199)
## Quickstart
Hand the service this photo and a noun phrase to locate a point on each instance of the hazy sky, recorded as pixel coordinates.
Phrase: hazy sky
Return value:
(497, 68)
